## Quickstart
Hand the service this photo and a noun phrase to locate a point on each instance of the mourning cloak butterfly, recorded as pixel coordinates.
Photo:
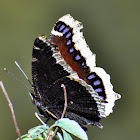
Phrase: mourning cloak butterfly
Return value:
(66, 59)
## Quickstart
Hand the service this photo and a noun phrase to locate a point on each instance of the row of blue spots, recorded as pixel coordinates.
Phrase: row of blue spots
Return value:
(95, 83)
(64, 29)
(69, 34)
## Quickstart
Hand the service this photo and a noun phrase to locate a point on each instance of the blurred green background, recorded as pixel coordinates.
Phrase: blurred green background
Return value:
(111, 29)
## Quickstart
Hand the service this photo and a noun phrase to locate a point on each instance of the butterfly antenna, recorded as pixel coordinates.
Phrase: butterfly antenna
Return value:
(15, 77)
(23, 72)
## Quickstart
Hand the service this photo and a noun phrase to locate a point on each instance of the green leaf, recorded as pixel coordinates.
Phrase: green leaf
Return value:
(72, 127)
(59, 136)
(66, 135)
(25, 137)
(36, 131)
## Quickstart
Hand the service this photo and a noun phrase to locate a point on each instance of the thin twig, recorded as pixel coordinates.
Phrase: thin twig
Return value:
(51, 114)
(63, 114)
(54, 133)
(49, 138)
(11, 108)
(38, 116)
(65, 105)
